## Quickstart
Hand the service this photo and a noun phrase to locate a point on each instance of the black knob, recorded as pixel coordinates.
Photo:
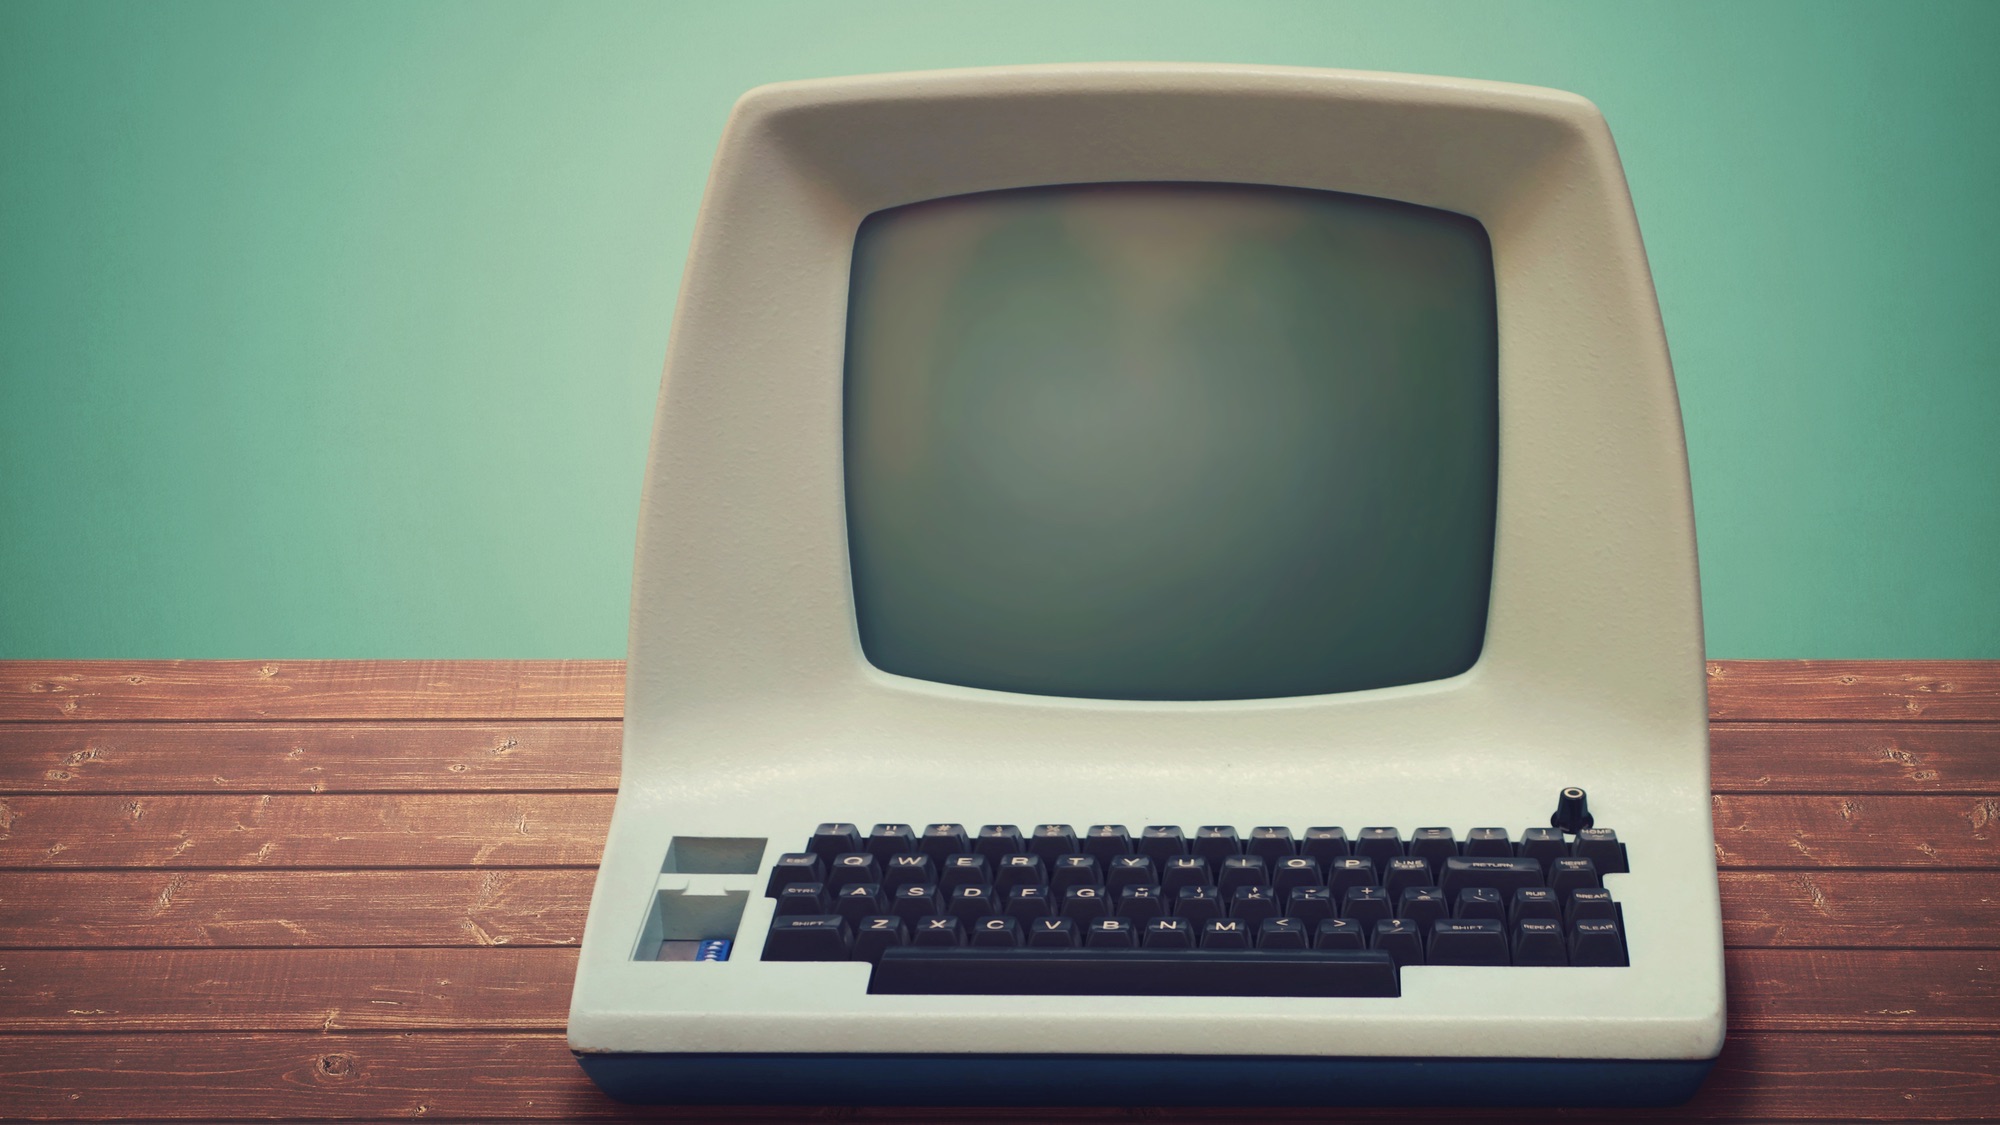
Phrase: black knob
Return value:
(1572, 811)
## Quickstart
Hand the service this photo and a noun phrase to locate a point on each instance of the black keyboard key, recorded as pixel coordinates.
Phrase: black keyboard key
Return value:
(942, 841)
(1434, 845)
(1185, 871)
(1589, 902)
(794, 867)
(1534, 903)
(1406, 871)
(807, 938)
(1225, 933)
(937, 930)
(1020, 870)
(1601, 847)
(832, 840)
(996, 840)
(902, 870)
(1141, 903)
(1349, 871)
(1025, 904)
(1311, 904)
(1215, 843)
(1487, 843)
(1074, 871)
(1198, 904)
(1283, 933)
(1339, 933)
(801, 900)
(1052, 840)
(1110, 933)
(964, 871)
(914, 902)
(859, 900)
(876, 933)
(1503, 875)
(1085, 903)
(970, 903)
(1458, 941)
(1128, 871)
(1271, 844)
(1539, 941)
(1422, 905)
(1400, 939)
(1366, 905)
(1542, 845)
(1162, 842)
(1571, 874)
(1324, 843)
(1379, 844)
(1294, 871)
(1136, 972)
(1596, 942)
(853, 867)
(1479, 902)
(1253, 904)
(1106, 841)
(1169, 933)
(1051, 933)
(995, 932)
(885, 840)
(1241, 871)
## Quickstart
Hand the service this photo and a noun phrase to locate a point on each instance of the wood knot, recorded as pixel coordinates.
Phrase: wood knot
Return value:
(336, 1066)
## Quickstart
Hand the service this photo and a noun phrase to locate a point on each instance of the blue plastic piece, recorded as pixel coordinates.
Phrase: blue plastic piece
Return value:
(717, 950)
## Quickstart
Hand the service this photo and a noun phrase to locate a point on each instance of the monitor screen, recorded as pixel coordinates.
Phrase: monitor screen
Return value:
(1171, 441)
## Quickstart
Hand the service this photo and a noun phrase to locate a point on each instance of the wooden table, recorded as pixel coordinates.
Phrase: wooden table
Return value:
(353, 890)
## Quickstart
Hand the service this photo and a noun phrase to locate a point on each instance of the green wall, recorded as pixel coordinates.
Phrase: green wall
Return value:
(333, 330)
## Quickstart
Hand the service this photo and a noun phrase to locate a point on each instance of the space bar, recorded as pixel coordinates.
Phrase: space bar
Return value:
(1133, 972)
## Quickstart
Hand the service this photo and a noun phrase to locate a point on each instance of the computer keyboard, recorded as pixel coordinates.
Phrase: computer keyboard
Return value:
(1160, 912)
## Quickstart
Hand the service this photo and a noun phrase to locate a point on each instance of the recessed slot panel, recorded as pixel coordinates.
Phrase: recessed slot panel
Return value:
(691, 925)
(713, 855)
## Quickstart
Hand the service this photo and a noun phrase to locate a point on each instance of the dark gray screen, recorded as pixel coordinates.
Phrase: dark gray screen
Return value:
(1171, 441)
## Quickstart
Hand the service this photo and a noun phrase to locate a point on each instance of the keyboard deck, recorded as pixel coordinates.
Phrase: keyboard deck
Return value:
(1212, 913)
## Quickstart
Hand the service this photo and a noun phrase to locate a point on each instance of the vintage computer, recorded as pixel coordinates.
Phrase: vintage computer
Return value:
(1161, 584)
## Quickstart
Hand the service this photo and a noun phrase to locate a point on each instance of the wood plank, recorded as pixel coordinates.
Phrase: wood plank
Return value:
(445, 1076)
(115, 690)
(1854, 757)
(1858, 831)
(127, 909)
(331, 757)
(528, 989)
(323, 830)
(1855, 690)
(1861, 909)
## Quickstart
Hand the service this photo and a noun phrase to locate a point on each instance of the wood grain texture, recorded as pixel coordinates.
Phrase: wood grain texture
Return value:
(1861, 909)
(455, 1075)
(1855, 757)
(528, 989)
(1857, 831)
(330, 757)
(323, 830)
(300, 909)
(1855, 690)
(115, 690)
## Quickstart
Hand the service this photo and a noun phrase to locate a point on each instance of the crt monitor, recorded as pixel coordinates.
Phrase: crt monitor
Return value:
(1129, 558)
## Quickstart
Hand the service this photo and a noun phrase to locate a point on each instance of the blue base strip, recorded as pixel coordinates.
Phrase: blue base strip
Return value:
(857, 1079)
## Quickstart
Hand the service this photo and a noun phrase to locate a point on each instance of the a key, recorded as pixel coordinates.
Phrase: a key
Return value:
(1085, 903)
(1019, 870)
(821, 937)
(1539, 941)
(996, 840)
(1480, 902)
(874, 934)
(852, 867)
(1110, 933)
(1534, 903)
(832, 840)
(942, 841)
(1253, 904)
(1601, 847)
(1215, 843)
(1324, 843)
(1074, 871)
(1487, 843)
(1271, 844)
(1106, 841)
(1589, 902)
(964, 871)
(1406, 871)
(1198, 904)
(1225, 933)
(1051, 933)
(885, 840)
(1366, 905)
(801, 900)
(1141, 903)
(1572, 874)
(970, 903)
(1503, 875)
(859, 900)
(1596, 942)
(1542, 845)
(1161, 842)
(995, 932)
(1050, 841)
(1169, 933)
(1379, 844)
(1400, 939)
(1310, 904)
(910, 867)
(1294, 871)
(794, 867)
(1184, 871)
(1345, 872)
(913, 902)
(1339, 933)
(1460, 941)
(1241, 871)
(1128, 871)
(1434, 845)
(1283, 933)
(938, 929)
(1422, 905)
(1025, 904)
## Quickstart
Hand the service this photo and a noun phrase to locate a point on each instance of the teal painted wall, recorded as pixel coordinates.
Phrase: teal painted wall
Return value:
(333, 330)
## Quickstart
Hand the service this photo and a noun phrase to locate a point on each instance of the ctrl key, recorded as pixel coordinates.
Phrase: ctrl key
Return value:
(807, 937)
